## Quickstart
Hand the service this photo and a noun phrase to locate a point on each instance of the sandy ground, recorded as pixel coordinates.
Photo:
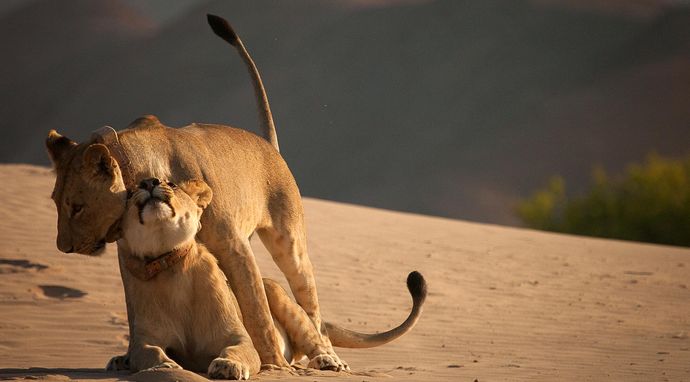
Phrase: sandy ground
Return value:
(504, 303)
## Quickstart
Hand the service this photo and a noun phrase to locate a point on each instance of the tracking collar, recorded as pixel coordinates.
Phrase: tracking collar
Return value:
(146, 270)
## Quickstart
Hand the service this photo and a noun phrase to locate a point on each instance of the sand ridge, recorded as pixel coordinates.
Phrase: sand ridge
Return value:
(504, 303)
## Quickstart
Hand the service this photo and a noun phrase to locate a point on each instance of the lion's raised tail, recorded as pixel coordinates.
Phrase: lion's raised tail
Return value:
(345, 338)
(223, 29)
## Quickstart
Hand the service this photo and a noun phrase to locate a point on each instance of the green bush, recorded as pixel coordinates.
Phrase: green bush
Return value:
(651, 203)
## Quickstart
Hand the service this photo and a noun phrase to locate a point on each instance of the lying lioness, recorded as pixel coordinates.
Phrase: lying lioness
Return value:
(185, 314)
(186, 311)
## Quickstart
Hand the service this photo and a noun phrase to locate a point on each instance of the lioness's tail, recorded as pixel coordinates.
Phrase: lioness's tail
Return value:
(345, 338)
(223, 29)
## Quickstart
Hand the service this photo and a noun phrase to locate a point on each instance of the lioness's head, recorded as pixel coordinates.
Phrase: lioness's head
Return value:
(89, 194)
(161, 216)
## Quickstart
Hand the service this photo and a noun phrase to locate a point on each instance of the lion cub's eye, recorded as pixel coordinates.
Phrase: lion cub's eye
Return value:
(172, 185)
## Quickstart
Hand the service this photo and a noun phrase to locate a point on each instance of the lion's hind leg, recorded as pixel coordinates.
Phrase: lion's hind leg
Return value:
(302, 336)
(288, 247)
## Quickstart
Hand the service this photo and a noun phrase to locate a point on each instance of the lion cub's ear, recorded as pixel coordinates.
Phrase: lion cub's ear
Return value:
(97, 158)
(199, 191)
(57, 146)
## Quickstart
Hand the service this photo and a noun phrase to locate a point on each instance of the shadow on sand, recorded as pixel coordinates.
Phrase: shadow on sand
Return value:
(86, 374)
(61, 373)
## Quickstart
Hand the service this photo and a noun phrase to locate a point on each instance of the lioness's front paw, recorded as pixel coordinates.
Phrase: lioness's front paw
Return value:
(328, 362)
(165, 365)
(285, 369)
(117, 363)
(223, 368)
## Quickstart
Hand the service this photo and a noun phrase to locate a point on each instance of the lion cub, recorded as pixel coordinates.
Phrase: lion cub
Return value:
(184, 313)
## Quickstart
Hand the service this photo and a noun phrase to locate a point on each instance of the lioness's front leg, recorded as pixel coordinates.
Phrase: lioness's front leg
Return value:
(235, 362)
(143, 356)
(121, 362)
(118, 363)
(240, 267)
(238, 360)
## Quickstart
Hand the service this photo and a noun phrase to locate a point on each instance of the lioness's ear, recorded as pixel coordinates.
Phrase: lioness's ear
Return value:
(57, 146)
(97, 158)
(199, 191)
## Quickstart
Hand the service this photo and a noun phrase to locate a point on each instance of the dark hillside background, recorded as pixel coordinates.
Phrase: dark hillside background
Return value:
(451, 108)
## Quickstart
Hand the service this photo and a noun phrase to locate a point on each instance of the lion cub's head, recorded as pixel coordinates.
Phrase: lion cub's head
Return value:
(161, 216)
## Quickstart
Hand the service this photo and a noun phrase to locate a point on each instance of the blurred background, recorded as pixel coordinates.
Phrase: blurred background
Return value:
(494, 111)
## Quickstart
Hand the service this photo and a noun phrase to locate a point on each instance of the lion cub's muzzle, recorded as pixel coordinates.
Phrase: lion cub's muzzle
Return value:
(151, 191)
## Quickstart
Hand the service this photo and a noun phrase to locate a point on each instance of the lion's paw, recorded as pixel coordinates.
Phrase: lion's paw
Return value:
(344, 365)
(328, 362)
(223, 368)
(165, 365)
(277, 369)
(117, 363)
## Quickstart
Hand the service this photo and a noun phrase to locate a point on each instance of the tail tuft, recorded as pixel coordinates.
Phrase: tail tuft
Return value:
(222, 28)
(345, 338)
(416, 285)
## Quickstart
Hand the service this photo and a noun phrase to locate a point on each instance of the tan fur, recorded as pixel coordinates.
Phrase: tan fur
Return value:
(299, 337)
(255, 192)
(187, 311)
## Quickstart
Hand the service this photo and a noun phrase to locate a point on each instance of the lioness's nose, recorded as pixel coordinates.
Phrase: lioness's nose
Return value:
(149, 184)
(64, 244)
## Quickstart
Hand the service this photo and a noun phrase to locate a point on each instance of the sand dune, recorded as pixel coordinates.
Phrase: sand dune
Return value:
(504, 304)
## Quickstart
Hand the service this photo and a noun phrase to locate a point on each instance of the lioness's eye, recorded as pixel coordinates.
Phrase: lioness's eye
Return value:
(77, 208)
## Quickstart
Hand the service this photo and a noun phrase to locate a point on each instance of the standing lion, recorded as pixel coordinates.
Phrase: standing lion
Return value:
(253, 187)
